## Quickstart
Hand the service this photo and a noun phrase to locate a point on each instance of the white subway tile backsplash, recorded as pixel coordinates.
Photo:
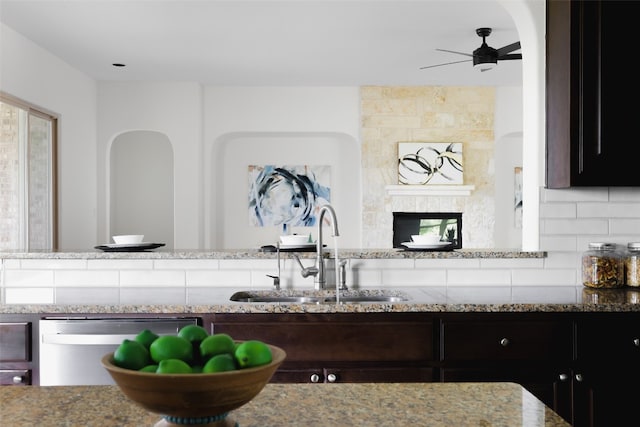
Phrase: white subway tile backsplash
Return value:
(507, 263)
(544, 277)
(413, 277)
(218, 278)
(624, 194)
(580, 226)
(382, 263)
(152, 295)
(120, 264)
(560, 295)
(489, 295)
(29, 296)
(559, 259)
(558, 243)
(625, 227)
(152, 278)
(186, 264)
(364, 278)
(558, 210)
(448, 263)
(478, 277)
(28, 278)
(608, 210)
(591, 194)
(108, 296)
(66, 278)
(242, 264)
(53, 264)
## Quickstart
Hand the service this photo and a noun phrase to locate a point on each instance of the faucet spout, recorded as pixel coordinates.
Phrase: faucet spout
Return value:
(320, 279)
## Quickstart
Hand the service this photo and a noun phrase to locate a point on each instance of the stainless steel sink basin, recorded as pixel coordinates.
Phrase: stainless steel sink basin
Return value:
(349, 297)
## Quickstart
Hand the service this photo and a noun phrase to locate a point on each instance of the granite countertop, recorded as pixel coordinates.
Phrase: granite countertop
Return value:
(495, 299)
(433, 404)
(259, 254)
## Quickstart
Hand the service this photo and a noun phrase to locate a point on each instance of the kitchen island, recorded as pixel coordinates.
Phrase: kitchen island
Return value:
(419, 404)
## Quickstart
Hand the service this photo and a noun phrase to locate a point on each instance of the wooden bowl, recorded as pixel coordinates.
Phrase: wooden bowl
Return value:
(193, 395)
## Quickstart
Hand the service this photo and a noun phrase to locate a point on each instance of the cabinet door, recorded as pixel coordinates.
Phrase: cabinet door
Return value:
(588, 127)
(15, 342)
(606, 397)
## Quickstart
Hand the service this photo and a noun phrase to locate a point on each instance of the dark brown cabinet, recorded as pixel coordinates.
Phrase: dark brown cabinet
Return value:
(15, 353)
(349, 347)
(606, 374)
(534, 350)
(590, 93)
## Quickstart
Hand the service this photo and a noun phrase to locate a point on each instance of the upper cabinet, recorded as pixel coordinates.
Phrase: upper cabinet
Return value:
(591, 90)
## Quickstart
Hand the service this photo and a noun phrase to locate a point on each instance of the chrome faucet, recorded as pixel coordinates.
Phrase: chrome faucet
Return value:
(320, 279)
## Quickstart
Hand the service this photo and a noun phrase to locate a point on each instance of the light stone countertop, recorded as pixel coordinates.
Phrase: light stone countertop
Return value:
(258, 254)
(495, 299)
(317, 405)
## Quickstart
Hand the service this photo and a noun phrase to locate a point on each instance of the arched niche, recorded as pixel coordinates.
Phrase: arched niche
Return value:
(141, 184)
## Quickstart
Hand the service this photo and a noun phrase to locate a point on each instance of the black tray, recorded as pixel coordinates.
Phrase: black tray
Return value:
(129, 248)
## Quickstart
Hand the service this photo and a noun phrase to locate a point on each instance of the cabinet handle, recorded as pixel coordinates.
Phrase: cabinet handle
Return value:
(18, 379)
(579, 378)
(332, 378)
(314, 378)
(504, 342)
(636, 342)
(563, 377)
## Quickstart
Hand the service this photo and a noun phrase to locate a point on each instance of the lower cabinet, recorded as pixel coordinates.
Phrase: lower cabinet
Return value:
(15, 352)
(534, 350)
(348, 347)
(606, 376)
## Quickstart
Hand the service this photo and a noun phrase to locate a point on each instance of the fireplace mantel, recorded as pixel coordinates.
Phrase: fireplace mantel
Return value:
(429, 190)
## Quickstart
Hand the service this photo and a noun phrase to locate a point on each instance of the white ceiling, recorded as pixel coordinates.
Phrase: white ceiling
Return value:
(266, 42)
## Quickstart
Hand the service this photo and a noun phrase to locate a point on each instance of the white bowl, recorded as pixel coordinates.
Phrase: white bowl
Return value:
(425, 239)
(294, 239)
(128, 239)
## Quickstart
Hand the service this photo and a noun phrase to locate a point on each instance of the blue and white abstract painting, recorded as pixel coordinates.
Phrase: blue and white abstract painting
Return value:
(287, 195)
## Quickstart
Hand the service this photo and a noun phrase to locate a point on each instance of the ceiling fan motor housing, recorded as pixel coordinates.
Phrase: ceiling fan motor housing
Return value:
(485, 55)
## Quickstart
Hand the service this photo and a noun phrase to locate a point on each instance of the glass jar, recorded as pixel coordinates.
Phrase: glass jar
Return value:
(632, 264)
(602, 266)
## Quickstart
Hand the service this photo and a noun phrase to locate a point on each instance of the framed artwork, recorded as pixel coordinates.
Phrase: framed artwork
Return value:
(424, 163)
(287, 195)
(517, 196)
(448, 225)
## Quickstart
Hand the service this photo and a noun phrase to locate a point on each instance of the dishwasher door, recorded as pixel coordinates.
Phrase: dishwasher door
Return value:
(71, 349)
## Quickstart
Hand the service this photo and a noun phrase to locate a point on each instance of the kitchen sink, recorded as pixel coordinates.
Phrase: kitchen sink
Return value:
(349, 297)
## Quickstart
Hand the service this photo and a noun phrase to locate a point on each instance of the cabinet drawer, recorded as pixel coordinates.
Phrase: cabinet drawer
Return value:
(507, 340)
(336, 338)
(611, 339)
(15, 377)
(15, 342)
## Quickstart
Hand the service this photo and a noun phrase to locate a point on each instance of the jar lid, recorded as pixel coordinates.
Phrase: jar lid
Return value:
(635, 246)
(602, 246)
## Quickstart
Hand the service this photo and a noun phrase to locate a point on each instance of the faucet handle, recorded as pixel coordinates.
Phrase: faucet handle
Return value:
(343, 275)
(276, 281)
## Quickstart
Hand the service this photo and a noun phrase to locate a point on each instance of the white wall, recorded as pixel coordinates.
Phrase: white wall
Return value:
(310, 125)
(175, 110)
(34, 75)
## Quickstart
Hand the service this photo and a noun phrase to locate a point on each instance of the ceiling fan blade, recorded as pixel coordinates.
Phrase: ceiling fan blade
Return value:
(453, 51)
(447, 63)
(508, 48)
(510, 56)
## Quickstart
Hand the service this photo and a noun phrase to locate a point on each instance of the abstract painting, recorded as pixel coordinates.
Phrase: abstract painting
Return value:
(286, 195)
(422, 163)
(517, 196)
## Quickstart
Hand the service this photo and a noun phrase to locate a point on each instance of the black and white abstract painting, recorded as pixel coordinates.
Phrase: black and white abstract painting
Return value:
(422, 163)
(287, 196)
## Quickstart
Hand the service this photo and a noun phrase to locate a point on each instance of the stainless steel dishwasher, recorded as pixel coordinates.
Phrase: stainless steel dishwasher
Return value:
(71, 348)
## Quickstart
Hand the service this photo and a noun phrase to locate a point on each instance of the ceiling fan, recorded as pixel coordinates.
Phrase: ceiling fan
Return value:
(485, 57)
